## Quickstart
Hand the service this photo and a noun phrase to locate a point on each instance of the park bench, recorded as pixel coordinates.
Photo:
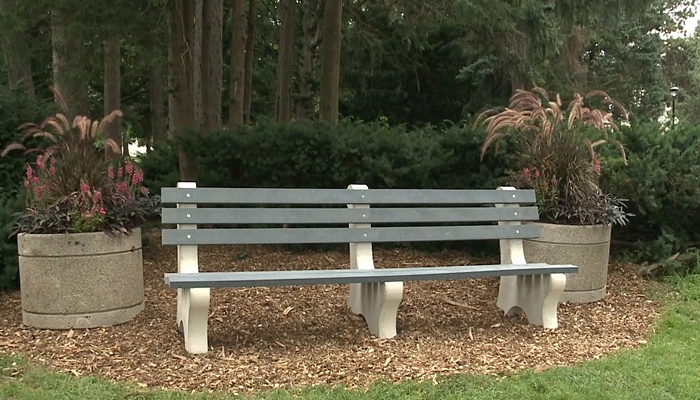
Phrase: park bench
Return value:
(283, 216)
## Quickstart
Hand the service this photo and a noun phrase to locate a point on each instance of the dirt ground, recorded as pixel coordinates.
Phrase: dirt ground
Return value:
(298, 336)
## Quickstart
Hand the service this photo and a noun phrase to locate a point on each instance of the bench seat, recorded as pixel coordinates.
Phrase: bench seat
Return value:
(344, 276)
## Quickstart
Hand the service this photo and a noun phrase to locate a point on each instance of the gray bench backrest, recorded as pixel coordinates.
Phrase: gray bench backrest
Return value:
(404, 215)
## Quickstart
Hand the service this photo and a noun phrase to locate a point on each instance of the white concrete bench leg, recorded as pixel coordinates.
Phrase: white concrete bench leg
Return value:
(377, 302)
(537, 295)
(193, 315)
(192, 304)
(380, 303)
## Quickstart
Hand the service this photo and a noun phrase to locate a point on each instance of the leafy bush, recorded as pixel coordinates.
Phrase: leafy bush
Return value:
(661, 183)
(9, 267)
(316, 154)
(14, 111)
(322, 155)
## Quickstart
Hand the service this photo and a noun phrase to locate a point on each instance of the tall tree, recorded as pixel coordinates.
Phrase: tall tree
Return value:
(249, 57)
(13, 45)
(68, 51)
(196, 41)
(212, 63)
(180, 61)
(330, 59)
(156, 113)
(112, 95)
(238, 46)
(283, 104)
(305, 95)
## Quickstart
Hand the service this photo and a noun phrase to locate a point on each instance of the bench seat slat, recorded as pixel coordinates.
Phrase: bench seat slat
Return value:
(343, 196)
(345, 215)
(345, 276)
(346, 235)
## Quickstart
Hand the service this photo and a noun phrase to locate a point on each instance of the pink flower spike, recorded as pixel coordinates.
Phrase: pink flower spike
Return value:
(137, 178)
(41, 162)
(129, 168)
(30, 172)
(120, 172)
(84, 187)
(110, 172)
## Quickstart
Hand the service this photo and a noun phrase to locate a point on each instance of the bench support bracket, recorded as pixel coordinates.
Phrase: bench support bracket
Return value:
(537, 295)
(380, 303)
(193, 313)
(377, 302)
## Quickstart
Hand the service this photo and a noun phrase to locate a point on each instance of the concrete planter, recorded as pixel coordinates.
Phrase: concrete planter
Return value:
(587, 246)
(80, 280)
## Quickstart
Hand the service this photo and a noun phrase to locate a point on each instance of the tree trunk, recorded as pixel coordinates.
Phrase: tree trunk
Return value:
(249, 52)
(17, 61)
(238, 47)
(309, 47)
(156, 105)
(112, 96)
(516, 83)
(283, 105)
(212, 63)
(195, 38)
(68, 52)
(330, 59)
(181, 95)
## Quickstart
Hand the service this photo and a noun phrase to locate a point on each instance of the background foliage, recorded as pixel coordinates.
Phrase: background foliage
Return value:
(413, 75)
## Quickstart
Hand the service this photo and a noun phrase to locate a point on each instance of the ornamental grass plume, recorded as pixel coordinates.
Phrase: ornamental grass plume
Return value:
(71, 187)
(556, 155)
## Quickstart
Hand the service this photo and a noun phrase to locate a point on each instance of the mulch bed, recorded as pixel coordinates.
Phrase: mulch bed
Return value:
(299, 336)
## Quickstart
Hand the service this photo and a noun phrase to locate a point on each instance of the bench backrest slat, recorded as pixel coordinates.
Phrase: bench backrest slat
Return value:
(347, 235)
(345, 215)
(343, 196)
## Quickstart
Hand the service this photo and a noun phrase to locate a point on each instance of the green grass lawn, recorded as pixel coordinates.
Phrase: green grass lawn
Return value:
(667, 368)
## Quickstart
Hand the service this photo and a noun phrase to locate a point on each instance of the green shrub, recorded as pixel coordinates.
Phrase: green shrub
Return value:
(14, 111)
(322, 155)
(9, 267)
(317, 154)
(662, 185)
(160, 167)
(661, 180)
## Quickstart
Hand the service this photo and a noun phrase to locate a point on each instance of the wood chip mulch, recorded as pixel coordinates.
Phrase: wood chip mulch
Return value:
(263, 338)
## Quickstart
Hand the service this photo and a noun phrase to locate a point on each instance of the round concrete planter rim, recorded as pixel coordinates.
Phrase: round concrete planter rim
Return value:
(62, 235)
(75, 244)
(573, 234)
